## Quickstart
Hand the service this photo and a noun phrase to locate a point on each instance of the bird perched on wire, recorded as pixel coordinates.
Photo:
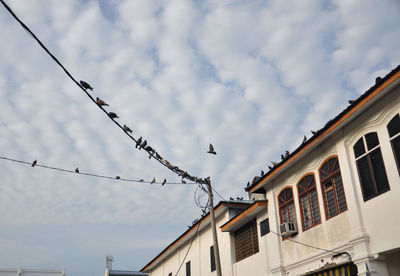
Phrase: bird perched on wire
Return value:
(211, 150)
(77, 170)
(85, 85)
(138, 142)
(113, 115)
(164, 181)
(143, 145)
(34, 163)
(127, 129)
(183, 181)
(117, 177)
(100, 102)
(153, 181)
(141, 180)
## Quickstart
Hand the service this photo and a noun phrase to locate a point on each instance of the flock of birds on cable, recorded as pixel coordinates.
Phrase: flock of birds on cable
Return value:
(142, 144)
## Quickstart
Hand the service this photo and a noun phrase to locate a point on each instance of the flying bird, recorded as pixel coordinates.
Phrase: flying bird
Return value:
(34, 163)
(211, 150)
(127, 129)
(138, 142)
(113, 115)
(85, 85)
(77, 170)
(153, 181)
(100, 102)
(164, 181)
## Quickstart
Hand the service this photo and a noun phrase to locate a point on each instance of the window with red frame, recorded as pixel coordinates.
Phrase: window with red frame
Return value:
(286, 206)
(332, 188)
(308, 202)
(394, 135)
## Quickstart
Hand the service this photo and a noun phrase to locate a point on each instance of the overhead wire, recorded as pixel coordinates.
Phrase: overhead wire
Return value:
(163, 162)
(118, 178)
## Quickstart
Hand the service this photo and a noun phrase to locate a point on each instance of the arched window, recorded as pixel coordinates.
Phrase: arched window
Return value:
(308, 202)
(286, 206)
(394, 134)
(332, 188)
(371, 169)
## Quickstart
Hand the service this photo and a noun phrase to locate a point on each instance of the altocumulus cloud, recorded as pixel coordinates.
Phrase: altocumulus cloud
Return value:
(251, 77)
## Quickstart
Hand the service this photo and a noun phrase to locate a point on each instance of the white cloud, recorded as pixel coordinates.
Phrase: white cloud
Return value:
(250, 77)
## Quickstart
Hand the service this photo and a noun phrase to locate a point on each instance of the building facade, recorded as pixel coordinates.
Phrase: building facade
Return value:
(331, 207)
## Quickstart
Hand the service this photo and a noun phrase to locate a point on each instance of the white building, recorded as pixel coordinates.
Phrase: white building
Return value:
(331, 207)
(341, 190)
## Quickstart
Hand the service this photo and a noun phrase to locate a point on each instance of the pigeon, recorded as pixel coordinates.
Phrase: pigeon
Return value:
(113, 115)
(34, 163)
(287, 153)
(141, 180)
(85, 85)
(138, 142)
(274, 163)
(143, 145)
(282, 157)
(127, 129)
(248, 183)
(77, 170)
(117, 177)
(164, 181)
(269, 167)
(100, 102)
(158, 156)
(151, 154)
(231, 198)
(262, 173)
(378, 79)
(313, 132)
(211, 150)
(352, 101)
(304, 139)
(153, 181)
(183, 181)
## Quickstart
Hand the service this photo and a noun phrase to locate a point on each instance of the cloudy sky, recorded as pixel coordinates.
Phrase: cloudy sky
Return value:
(251, 77)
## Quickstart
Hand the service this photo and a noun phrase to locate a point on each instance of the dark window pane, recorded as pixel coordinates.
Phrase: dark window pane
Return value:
(359, 148)
(378, 168)
(264, 227)
(212, 258)
(367, 183)
(394, 126)
(188, 268)
(331, 164)
(372, 140)
(396, 149)
(170, 274)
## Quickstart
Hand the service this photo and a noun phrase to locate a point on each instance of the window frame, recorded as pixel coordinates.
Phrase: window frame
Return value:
(287, 203)
(330, 177)
(308, 192)
(391, 139)
(188, 268)
(251, 226)
(367, 153)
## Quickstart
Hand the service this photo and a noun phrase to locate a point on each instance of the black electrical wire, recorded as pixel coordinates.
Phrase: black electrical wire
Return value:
(187, 252)
(26, 28)
(92, 174)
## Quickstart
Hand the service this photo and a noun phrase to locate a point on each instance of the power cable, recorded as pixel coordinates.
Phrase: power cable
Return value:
(165, 163)
(187, 252)
(118, 178)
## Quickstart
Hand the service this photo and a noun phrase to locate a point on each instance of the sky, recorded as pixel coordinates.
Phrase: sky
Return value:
(251, 77)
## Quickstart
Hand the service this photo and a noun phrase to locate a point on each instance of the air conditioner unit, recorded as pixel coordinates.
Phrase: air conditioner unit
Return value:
(288, 228)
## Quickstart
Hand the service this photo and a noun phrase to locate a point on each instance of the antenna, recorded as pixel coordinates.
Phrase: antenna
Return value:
(109, 260)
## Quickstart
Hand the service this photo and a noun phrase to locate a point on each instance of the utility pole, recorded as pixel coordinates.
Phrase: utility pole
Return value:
(214, 229)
